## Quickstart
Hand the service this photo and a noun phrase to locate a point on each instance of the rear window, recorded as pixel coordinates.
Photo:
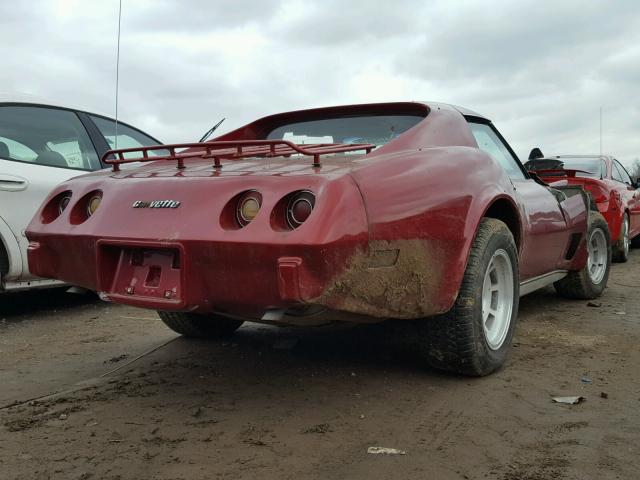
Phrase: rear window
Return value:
(375, 129)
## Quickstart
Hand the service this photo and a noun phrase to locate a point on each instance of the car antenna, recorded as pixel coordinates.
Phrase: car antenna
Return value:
(211, 130)
(118, 70)
(601, 131)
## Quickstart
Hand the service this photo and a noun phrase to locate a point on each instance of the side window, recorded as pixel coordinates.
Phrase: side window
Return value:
(489, 142)
(45, 136)
(616, 174)
(623, 173)
(71, 151)
(12, 150)
(127, 137)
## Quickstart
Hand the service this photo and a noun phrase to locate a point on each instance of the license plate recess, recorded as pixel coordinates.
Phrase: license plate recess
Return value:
(141, 273)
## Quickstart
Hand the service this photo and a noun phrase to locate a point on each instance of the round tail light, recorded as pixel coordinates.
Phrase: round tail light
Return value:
(63, 202)
(54, 207)
(299, 208)
(93, 203)
(248, 207)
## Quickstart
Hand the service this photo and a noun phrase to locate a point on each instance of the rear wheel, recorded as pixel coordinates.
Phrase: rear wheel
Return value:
(474, 337)
(620, 250)
(200, 325)
(591, 281)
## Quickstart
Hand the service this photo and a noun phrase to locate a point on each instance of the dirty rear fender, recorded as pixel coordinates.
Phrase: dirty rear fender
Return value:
(427, 205)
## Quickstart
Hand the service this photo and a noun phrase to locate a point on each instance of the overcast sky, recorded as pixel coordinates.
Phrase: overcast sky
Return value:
(540, 70)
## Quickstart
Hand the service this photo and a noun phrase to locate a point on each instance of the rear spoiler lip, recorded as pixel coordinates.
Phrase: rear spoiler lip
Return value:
(568, 172)
(231, 149)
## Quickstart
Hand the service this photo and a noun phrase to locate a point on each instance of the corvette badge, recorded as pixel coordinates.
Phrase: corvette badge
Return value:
(156, 204)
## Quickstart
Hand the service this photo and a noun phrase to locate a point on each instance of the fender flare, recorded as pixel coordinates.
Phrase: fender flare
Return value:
(626, 212)
(476, 211)
(615, 225)
(481, 206)
(515, 224)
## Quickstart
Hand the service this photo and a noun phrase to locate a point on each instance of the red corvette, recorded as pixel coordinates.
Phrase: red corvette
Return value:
(415, 211)
(614, 192)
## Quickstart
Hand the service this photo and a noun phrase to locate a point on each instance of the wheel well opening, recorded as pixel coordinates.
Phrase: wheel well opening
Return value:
(504, 211)
(4, 259)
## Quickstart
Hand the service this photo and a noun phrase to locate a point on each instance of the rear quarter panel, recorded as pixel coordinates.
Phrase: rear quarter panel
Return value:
(436, 197)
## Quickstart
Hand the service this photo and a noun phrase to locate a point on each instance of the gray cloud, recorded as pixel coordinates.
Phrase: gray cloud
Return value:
(540, 70)
(197, 16)
(336, 24)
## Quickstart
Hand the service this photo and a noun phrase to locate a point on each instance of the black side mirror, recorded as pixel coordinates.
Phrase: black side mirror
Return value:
(535, 154)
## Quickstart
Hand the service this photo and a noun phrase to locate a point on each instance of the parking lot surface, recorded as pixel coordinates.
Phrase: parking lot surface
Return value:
(90, 390)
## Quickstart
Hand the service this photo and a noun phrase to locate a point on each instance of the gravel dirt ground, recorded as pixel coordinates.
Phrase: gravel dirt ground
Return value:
(276, 403)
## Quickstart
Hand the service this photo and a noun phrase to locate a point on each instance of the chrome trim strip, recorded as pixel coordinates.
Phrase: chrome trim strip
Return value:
(536, 283)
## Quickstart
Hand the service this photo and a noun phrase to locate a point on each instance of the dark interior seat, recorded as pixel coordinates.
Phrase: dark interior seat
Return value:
(4, 150)
(53, 159)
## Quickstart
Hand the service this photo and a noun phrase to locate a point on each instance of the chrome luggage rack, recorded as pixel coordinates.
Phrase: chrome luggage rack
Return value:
(230, 150)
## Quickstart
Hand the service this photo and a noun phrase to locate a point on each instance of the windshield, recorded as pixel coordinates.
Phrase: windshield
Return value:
(375, 129)
(591, 167)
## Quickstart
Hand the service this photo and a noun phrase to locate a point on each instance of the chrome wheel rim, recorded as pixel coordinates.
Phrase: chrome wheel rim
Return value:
(625, 235)
(497, 299)
(598, 256)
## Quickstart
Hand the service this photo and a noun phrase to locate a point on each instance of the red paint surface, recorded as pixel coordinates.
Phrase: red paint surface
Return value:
(432, 183)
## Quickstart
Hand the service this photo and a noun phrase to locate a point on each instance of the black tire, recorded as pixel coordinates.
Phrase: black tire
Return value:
(456, 341)
(580, 284)
(620, 253)
(197, 325)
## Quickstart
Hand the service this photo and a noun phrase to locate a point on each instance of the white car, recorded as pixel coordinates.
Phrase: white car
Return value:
(40, 147)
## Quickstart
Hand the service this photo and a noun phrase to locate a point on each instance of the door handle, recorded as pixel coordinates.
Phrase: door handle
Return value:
(11, 183)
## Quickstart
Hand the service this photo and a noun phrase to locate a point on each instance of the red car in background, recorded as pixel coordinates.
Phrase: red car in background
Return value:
(614, 192)
(412, 211)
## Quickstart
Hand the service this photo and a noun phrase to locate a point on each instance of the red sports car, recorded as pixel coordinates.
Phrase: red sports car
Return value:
(614, 192)
(359, 213)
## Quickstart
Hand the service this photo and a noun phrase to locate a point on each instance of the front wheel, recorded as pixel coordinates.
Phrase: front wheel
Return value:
(590, 282)
(199, 325)
(620, 250)
(474, 337)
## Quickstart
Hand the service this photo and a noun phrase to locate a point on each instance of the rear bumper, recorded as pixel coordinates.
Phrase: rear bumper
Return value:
(193, 275)
(375, 280)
